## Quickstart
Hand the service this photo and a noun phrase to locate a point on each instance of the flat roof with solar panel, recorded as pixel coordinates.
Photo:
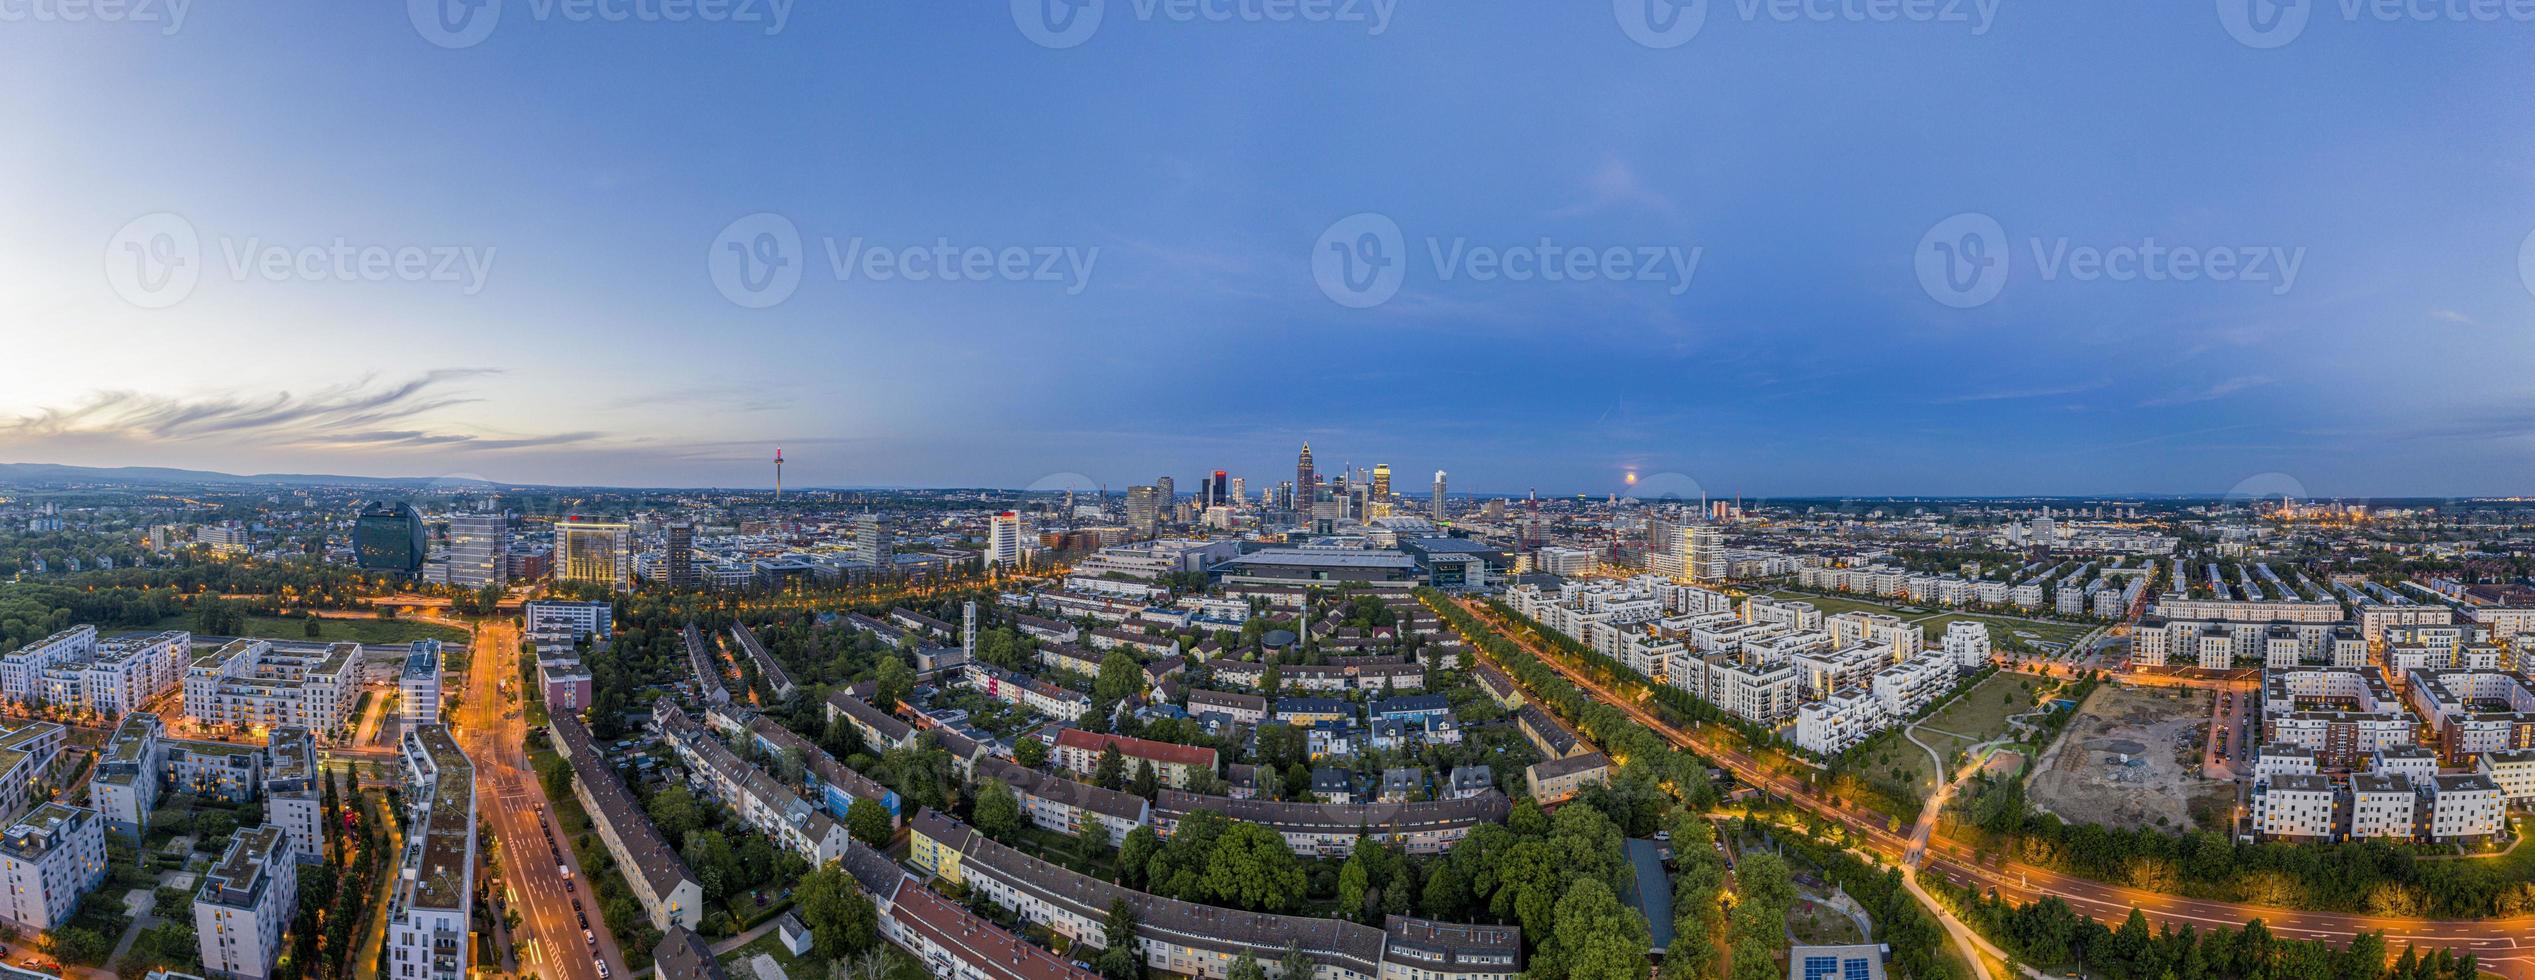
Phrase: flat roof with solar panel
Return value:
(1836, 963)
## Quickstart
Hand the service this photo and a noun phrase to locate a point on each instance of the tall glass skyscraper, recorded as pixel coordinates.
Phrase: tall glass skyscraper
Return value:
(388, 537)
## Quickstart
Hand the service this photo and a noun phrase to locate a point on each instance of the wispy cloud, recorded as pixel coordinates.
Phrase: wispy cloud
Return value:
(2021, 394)
(360, 415)
(1616, 184)
(2212, 393)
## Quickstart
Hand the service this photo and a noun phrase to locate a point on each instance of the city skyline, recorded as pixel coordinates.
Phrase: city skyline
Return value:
(569, 316)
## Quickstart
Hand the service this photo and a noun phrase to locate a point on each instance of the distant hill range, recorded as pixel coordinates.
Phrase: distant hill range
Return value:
(58, 473)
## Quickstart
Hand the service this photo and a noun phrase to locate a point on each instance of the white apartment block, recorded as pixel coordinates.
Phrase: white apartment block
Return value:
(2465, 807)
(429, 916)
(49, 857)
(1905, 639)
(1832, 725)
(595, 620)
(27, 752)
(1765, 696)
(2375, 617)
(2474, 711)
(2513, 771)
(2383, 805)
(1650, 656)
(2344, 713)
(1967, 642)
(294, 792)
(263, 684)
(1790, 613)
(1826, 672)
(418, 685)
(76, 671)
(1911, 685)
(1565, 561)
(246, 900)
(126, 785)
(2294, 807)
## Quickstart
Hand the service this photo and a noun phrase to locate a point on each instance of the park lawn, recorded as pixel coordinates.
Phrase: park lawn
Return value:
(1835, 605)
(372, 631)
(2003, 630)
(1978, 715)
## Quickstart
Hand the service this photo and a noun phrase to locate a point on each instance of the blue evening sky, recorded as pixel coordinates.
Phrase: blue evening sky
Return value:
(1190, 168)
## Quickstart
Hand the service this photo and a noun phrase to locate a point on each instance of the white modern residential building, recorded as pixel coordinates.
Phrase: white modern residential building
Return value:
(596, 620)
(126, 785)
(1968, 643)
(27, 752)
(75, 671)
(1003, 541)
(49, 856)
(1834, 724)
(266, 684)
(2296, 807)
(294, 792)
(428, 917)
(246, 900)
(418, 685)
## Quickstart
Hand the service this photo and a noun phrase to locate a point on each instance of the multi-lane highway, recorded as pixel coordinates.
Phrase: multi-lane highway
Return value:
(2504, 946)
(493, 734)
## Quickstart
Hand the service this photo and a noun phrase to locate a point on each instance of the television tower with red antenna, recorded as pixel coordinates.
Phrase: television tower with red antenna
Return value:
(778, 473)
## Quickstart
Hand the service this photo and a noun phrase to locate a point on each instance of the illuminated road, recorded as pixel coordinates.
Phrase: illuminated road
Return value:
(493, 734)
(2504, 946)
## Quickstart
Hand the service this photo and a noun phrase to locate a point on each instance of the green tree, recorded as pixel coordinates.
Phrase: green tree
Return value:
(1295, 962)
(1030, 753)
(868, 821)
(677, 813)
(1246, 967)
(1352, 884)
(841, 918)
(1253, 869)
(1146, 782)
(1136, 852)
(998, 812)
(1110, 772)
(1596, 938)
(1120, 678)
(895, 683)
(1118, 960)
(1090, 838)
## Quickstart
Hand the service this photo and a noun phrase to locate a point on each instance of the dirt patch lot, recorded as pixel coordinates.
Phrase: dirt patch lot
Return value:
(2131, 760)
